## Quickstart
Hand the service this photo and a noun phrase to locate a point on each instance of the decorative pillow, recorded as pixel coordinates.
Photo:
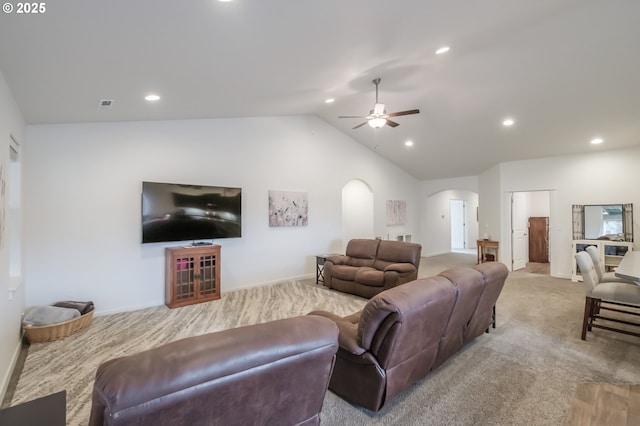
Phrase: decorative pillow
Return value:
(48, 315)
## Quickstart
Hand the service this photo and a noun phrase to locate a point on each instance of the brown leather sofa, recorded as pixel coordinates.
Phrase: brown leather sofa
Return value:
(271, 373)
(407, 331)
(371, 266)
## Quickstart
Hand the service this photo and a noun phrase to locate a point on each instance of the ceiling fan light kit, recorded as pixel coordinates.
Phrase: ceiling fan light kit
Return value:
(377, 123)
(378, 116)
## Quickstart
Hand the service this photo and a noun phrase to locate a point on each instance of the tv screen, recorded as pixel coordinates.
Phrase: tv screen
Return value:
(176, 212)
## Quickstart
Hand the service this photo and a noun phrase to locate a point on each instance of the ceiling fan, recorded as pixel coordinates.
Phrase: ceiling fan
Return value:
(378, 116)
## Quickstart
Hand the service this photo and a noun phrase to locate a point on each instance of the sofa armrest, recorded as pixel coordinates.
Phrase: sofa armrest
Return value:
(348, 331)
(339, 260)
(401, 268)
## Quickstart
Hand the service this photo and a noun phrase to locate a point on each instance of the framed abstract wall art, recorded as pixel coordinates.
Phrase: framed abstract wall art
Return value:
(396, 212)
(287, 208)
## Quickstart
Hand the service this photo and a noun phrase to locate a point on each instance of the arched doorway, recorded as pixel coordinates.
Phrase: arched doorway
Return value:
(442, 214)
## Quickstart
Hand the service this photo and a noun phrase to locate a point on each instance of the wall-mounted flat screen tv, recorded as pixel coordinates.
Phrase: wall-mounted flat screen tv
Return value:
(176, 212)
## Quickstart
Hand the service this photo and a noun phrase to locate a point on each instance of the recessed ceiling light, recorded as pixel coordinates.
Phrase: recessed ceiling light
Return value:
(443, 49)
(225, 1)
(329, 101)
(508, 122)
(596, 141)
(408, 143)
(152, 98)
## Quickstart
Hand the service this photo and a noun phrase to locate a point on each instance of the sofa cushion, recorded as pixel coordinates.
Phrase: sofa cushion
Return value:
(362, 252)
(271, 373)
(370, 276)
(469, 284)
(399, 252)
(494, 278)
(344, 272)
(383, 265)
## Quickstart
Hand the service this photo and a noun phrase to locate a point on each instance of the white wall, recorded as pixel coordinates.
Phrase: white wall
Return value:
(11, 123)
(490, 217)
(602, 177)
(538, 204)
(357, 211)
(82, 201)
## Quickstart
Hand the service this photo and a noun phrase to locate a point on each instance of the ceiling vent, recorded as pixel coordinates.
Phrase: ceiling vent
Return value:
(105, 104)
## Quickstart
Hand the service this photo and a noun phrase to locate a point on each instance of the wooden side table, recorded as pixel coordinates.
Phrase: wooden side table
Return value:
(320, 259)
(483, 245)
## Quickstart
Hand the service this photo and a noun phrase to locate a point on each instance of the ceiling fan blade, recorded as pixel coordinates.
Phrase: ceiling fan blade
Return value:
(360, 125)
(392, 123)
(408, 112)
(352, 116)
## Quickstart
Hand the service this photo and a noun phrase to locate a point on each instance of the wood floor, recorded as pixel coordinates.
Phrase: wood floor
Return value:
(538, 268)
(596, 404)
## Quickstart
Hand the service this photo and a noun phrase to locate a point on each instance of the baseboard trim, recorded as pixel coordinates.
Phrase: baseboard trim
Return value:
(99, 313)
(8, 374)
(438, 253)
(563, 276)
(265, 283)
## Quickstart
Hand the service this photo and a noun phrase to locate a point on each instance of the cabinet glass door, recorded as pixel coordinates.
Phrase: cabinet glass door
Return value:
(185, 278)
(613, 255)
(207, 275)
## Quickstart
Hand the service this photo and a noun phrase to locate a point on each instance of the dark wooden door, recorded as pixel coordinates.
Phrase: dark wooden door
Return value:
(539, 239)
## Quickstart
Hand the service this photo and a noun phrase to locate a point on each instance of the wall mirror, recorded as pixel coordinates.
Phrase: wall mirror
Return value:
(612, 222)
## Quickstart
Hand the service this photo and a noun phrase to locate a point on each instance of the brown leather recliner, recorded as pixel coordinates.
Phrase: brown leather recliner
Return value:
(271, 373)
(405, 332)
(371, 266)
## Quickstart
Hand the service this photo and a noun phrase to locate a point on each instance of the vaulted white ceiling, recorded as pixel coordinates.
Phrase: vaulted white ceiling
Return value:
(565, 70)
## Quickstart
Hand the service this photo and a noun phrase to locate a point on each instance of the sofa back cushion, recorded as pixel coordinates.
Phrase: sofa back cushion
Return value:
(362, 252)
(469, 284)
(494, 275)
(276, 372)
(397, 252)
(403, 325)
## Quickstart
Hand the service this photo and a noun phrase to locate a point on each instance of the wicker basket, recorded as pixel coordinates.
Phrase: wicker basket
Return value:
(49, 333)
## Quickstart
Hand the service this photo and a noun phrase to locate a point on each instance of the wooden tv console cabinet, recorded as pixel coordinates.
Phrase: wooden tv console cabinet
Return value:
(192, 275)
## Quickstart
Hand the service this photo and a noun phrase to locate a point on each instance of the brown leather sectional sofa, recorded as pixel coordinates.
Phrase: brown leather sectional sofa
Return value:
(278, 372)
(405, 332)
(271, 373)
(371, 266)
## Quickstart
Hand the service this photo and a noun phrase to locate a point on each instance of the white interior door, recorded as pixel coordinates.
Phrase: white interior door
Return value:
(519, 241)
(457, 224)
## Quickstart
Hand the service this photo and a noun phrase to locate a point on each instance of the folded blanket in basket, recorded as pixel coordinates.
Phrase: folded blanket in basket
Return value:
(83, 307)
(48, 315)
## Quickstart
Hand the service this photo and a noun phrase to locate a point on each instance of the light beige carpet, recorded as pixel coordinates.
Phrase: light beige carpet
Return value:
(524, 372)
